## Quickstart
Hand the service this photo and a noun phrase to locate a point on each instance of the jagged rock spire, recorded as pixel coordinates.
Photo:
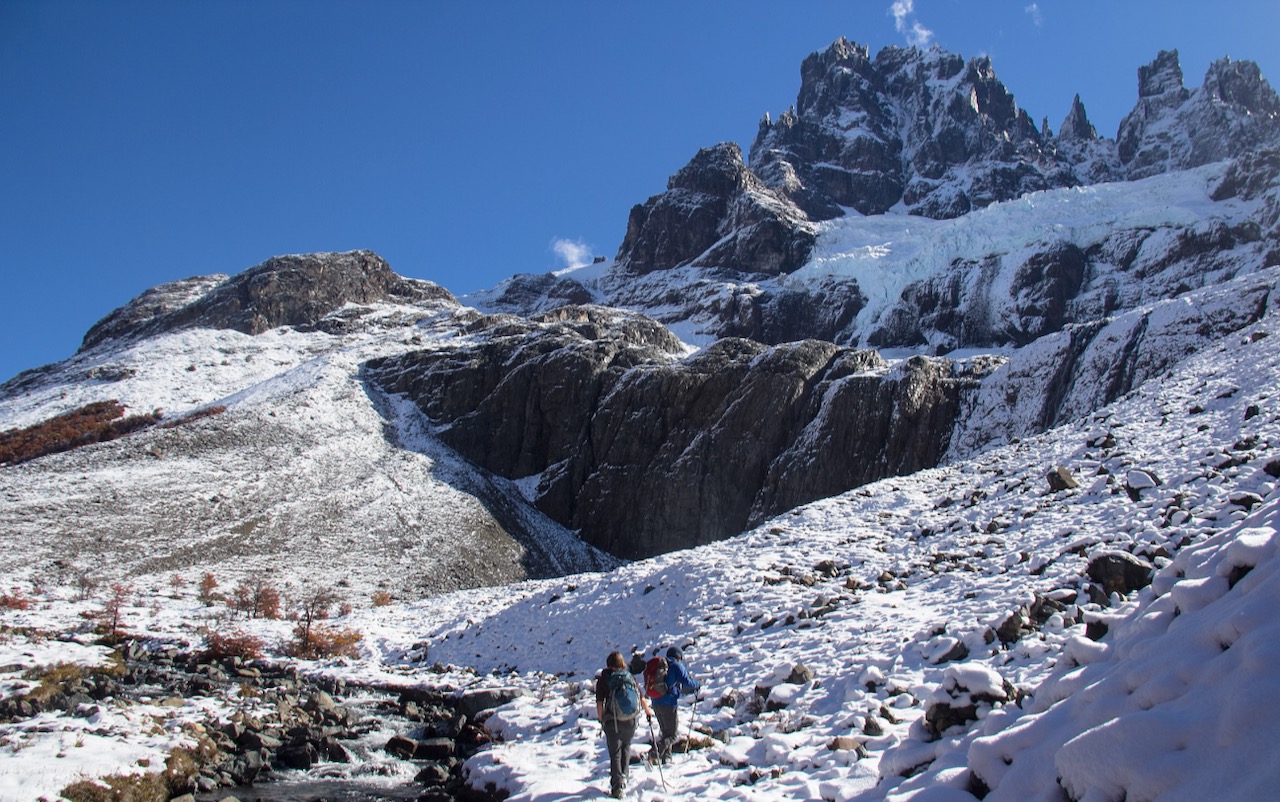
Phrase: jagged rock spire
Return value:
(1076, 126)
(1173, 128)
(1160, 76)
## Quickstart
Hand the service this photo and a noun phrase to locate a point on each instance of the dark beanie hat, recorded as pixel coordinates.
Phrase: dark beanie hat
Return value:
(674, 653)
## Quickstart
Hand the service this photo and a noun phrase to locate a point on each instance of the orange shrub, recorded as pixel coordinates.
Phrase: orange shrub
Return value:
(207, 585)
(220, 646)
(111, 616)
(256, 598)
(315, 642)
(15, 600)
(381, 598)
(92, 423)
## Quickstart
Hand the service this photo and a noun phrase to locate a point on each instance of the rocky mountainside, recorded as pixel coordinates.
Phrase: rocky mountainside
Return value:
(717, 373)
(269, 443)
(644, 455)
(924, 135)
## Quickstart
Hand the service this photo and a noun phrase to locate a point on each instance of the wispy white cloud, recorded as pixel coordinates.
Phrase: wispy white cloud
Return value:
(904, 20)
(1033, 11)
(573, 253)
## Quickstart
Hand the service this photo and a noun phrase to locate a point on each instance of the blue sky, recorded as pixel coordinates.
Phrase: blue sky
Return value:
(142, 142)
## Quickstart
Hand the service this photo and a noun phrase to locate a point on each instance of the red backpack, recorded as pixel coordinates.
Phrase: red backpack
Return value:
(655, 677)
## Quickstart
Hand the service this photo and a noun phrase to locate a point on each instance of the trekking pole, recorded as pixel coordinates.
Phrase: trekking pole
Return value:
(657, 760)
(693, 710)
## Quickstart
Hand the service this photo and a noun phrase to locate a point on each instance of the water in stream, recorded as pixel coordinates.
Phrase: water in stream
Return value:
(372, 775)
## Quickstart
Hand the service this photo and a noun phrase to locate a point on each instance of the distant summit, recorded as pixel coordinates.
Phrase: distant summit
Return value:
(1173, 128)
(745, 248)
(293, 290)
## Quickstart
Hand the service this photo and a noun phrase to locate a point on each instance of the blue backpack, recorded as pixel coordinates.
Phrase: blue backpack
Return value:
(623, 700)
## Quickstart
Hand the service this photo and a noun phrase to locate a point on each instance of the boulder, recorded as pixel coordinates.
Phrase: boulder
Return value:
(1119, 572)
(474, 702)
(401, 747)
(432, 774)
(303, 756)
(965, 691)
(800, 675)
(435, 749)
(1061, 479)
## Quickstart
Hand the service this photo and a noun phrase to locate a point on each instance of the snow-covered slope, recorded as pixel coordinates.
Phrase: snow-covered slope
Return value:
(306, 460)
(871, 590)
(910, 601)
(945, 635)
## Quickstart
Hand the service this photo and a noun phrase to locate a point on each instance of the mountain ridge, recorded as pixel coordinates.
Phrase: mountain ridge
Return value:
(553, 397)
(975, 506)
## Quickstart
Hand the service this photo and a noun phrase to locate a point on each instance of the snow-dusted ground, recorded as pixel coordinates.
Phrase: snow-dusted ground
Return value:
(870, 590)
(307, 460)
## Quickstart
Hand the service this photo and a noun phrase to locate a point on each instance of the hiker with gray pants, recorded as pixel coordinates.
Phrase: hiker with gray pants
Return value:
(676, 683)
(619, 704)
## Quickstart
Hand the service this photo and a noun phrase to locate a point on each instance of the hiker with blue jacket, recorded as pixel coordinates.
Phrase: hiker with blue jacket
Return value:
(676, 682)
(619, 704)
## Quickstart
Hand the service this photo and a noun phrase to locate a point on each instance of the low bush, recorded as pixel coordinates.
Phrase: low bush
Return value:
(15, 600)
(92, 423)
(178, 777)
(52, 679)
(256, 598)
(221, 646)
(110, 617)
(320, 641)
(207, 586)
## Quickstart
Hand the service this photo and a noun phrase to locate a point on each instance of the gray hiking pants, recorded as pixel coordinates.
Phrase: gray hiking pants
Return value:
(668, 729)
(617, 739)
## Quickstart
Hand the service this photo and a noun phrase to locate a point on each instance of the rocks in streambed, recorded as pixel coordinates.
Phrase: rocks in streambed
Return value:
(285, 721)
(278, 720)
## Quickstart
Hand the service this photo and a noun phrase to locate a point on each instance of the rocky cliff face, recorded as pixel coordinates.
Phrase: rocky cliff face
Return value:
(643, 454)
(716, 212)
(297, 290)
(1070, 374)
(1173, 128)
(920, 128)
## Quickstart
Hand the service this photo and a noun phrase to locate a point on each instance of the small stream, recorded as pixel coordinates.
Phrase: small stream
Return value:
(372, 774)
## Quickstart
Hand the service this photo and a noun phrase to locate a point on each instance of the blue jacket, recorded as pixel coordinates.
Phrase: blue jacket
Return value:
(678, 681)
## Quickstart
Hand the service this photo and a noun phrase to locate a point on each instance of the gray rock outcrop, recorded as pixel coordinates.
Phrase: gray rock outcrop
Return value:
(1173, 128)
(296, 290)
(923, 128)
(644, 454)
(717, 213)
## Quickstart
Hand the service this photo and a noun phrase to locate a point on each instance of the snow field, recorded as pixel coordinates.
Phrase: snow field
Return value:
(868, 590)
(941, 558)
(889, 594)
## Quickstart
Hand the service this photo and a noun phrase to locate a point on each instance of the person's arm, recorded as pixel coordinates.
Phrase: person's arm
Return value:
(687, 682)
